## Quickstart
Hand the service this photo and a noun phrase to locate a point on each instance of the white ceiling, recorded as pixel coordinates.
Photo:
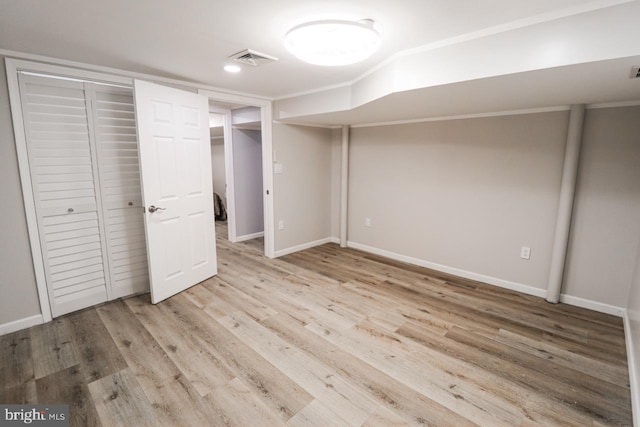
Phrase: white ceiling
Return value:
(191, 40)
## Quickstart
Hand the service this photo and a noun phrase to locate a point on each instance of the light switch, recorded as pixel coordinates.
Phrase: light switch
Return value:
(278, 168)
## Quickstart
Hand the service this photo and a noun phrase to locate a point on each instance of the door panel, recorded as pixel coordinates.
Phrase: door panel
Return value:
(64, 191)
(117, 147)
(175, 160)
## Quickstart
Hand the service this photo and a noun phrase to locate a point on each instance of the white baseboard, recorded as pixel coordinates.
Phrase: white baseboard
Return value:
(514, 286)
(304, 246)
(592, 305)
(451, 270)
(249, 236)
(633, 372)
(335, 240)
(17, 325)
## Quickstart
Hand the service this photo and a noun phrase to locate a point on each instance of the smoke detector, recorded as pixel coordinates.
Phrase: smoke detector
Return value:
(635, 72)
(252, 57)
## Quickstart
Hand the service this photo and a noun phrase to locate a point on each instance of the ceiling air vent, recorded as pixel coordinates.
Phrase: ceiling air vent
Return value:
(253, 58)
(635, 72)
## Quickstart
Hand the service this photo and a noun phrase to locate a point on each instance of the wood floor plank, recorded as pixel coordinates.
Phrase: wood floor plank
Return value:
(68, 386)
(236, 405)
(381, 350)
(615, 373)
(237, 300)
(387, 391)
(560, 376)
(173, 398)
(316, 378)
(19, 395)
(316, 414)
(201, 368)
(176, 403)
(148, 362)
(16, 362)
(383, 417)
(283, 296)
(274, 389)
(120, 401)
(547, 396)
(98, 354)
(53, 348)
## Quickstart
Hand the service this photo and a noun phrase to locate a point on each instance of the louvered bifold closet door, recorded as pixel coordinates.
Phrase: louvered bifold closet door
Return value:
(63, 174)
(117, 147)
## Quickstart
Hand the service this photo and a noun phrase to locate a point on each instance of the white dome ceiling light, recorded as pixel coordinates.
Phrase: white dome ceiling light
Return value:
(333, 42)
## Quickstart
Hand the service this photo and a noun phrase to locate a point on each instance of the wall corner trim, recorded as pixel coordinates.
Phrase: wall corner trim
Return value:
(20, 324)
(633, 369)
(304, 246)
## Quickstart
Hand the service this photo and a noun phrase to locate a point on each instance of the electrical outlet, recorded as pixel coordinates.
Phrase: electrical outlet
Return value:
(281, 225)
(525, 252)
(278, 168)
(367, 222)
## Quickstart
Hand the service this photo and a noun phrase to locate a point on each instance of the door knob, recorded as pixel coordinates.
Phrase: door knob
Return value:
(152, 209)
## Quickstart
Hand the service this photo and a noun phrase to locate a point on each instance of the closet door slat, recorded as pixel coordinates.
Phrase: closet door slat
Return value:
(63, 181)
(117, 148)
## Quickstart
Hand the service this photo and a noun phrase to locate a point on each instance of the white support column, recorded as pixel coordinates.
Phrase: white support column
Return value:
(344, 185)
(565, 205)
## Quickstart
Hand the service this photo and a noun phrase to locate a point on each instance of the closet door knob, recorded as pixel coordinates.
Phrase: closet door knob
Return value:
(152, 209)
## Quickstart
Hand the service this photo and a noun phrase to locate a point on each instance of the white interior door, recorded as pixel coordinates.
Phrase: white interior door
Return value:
(175, 163)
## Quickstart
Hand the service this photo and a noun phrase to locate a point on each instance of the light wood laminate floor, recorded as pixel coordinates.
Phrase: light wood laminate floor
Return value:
(325, 337)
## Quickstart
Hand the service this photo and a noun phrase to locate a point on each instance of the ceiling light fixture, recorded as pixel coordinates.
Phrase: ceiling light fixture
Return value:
(232, 68)
(333, 42)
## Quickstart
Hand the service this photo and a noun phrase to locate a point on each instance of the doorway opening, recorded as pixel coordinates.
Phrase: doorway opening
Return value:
(240, 131)
(236, 160)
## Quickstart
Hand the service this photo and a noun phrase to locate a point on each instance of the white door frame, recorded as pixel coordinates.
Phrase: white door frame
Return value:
(228, 170)
(13, 66)
(266, 117)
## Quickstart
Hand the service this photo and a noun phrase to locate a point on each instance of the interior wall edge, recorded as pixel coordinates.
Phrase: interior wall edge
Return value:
(633, 369)
(506, 284)
(20, 324)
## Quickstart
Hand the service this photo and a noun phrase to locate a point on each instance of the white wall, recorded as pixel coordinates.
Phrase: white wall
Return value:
(606, 221)
(467, 194)
(19, 298)
(217, 164)
(303, 192)
(247, 177)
